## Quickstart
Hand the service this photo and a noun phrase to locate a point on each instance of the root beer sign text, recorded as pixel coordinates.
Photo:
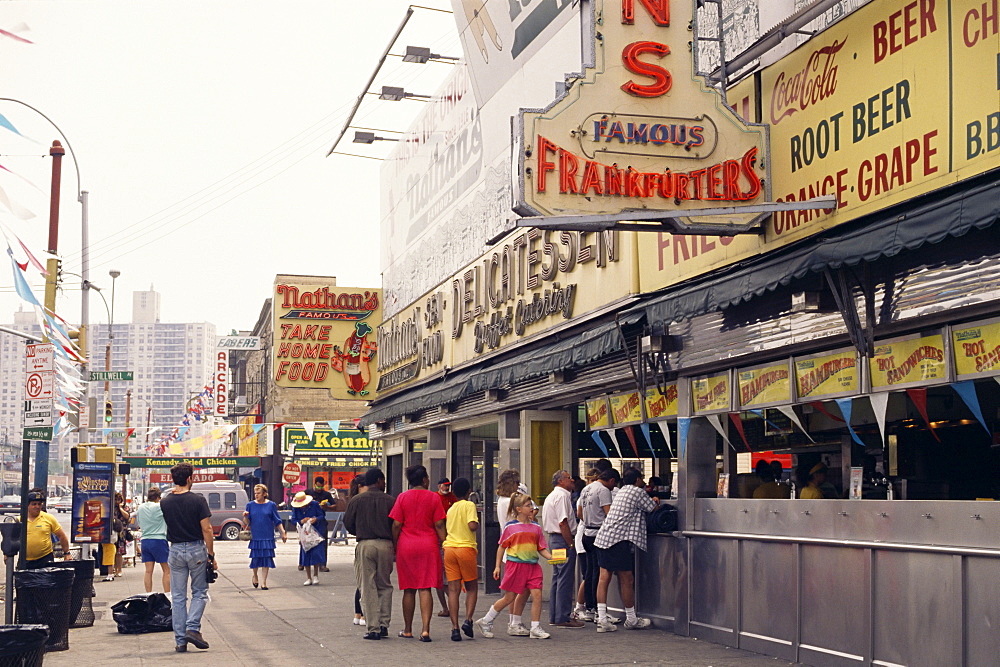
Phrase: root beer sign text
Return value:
(608, 144)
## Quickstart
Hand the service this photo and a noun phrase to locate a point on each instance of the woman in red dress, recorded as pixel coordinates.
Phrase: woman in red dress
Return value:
(418, 529)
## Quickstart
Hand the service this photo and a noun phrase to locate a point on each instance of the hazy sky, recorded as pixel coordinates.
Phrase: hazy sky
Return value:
(201, 129)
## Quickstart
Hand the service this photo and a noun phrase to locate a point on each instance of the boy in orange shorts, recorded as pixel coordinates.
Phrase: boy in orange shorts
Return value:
(460, 557)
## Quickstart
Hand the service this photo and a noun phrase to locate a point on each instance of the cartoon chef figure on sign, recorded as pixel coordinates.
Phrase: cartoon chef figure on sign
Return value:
(353, 360)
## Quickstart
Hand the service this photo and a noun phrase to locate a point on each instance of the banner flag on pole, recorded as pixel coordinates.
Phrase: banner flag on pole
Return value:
(919, 397)
(967, 390)
(789, 412)
(599, 441)
(880, 404)
(665, 430)
(738, 423)
(683, 426)
(334, 425)
(846, 405)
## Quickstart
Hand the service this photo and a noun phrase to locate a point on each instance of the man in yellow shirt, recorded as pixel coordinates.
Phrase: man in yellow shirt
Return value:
(41, 527)
(460, 561)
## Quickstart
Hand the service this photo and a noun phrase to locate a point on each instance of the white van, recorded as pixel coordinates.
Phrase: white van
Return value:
(226, 500)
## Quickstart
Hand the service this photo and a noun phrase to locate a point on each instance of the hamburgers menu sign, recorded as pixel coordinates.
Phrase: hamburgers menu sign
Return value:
(639, 130)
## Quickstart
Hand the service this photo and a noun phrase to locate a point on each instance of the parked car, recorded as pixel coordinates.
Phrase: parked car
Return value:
(64, 504)
(10, 502)
(226, 500)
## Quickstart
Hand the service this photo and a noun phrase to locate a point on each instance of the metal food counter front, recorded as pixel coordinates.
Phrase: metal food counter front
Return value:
(832, 582)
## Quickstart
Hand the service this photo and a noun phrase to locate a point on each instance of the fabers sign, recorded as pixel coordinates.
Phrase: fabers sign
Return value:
(639, 130)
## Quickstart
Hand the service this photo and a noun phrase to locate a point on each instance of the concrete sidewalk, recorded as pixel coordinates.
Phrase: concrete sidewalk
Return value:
(291, 624)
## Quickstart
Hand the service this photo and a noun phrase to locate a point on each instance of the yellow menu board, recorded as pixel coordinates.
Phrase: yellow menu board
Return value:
(765, 386)
(598, 415)
(977, 349)
(626, 408)
(908, 361)
(711, 394)
(661, 404)
(827, 375)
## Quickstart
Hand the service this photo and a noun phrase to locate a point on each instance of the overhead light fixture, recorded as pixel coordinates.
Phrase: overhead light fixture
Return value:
(421, 55)
(369, 138)
(393, 94)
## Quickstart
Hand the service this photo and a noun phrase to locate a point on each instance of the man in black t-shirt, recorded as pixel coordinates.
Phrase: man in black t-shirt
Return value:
(327, 502)
(189, 532)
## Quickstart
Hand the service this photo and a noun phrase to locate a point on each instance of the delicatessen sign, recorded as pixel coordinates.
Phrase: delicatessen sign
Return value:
(530, 282)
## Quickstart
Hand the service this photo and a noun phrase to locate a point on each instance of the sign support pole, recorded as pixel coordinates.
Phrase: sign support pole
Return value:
(25, 457)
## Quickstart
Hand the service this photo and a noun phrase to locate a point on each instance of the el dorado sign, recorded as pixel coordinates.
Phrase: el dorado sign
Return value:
(639, 130)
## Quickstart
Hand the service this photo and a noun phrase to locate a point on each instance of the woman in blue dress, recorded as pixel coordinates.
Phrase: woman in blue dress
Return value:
(261, 515)
(306, 510)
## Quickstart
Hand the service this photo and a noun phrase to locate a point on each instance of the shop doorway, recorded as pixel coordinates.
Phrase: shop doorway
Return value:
(547, 437)
(474, 456)
(394, 474)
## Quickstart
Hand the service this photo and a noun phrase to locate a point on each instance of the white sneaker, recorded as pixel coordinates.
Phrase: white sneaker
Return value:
(308, 582)
(611, 619)
(606, 626)
(315, 581)
(485, 627)
(637, 624)
(538, 633)
(518, 630)
(586, 616)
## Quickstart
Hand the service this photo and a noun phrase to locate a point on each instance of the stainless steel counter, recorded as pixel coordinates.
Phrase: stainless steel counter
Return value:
(832, 582)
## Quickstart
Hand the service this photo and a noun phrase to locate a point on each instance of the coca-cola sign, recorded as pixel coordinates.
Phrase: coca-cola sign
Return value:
(814, 83)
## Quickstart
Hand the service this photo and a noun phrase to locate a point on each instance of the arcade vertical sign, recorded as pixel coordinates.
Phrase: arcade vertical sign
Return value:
(220, 383)
(639, 130)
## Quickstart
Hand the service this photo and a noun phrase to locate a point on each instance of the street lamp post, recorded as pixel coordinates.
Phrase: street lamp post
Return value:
(114, 273)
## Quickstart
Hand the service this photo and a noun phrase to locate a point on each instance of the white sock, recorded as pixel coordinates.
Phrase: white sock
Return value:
(630, 614)
(515, 620)
(602, 612)
(490, 615)
(580, 606)
(535, 624)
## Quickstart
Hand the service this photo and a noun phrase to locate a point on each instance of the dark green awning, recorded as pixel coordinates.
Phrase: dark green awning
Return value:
(931, 218)
(574, 351)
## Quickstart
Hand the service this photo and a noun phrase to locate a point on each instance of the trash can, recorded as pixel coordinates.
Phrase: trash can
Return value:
(81, 610)
(43, 597)
(22, 645)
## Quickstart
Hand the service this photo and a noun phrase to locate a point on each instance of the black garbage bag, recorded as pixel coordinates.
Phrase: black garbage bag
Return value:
(662, 520)
(23, 645)
(139, 614)
(43, 597)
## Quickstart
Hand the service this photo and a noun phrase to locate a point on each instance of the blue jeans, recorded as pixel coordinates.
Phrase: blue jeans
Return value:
(563, 592)
(187, 559)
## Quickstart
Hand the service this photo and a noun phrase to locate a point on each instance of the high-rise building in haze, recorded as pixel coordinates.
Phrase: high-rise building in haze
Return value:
(171, 364)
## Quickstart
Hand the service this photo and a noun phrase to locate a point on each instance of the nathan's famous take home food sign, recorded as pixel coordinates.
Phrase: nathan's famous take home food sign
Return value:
(324, 336)
(896, 100)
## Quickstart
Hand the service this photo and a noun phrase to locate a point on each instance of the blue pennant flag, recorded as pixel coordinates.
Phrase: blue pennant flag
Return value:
(967, 390)
(845, 405)
(649, 440)
(683, 426)
(596, 435)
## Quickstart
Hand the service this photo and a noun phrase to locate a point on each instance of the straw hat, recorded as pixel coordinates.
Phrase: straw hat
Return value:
(301, 499)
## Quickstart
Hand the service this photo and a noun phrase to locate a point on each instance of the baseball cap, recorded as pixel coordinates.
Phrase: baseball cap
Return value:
(444, 480)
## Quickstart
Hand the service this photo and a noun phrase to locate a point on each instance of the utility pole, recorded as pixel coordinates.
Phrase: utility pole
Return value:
(56, 152)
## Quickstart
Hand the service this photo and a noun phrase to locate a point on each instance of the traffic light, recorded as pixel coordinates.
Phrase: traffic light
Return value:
(107, 412)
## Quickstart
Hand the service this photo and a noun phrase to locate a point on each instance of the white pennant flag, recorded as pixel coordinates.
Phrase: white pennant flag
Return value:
(309, 426)
(880, 403)
(789, 412)
(716, 422)
(665, 430)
